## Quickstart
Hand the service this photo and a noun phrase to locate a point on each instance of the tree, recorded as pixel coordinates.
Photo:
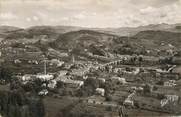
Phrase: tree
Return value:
(108, 97)
(17, 104)
(147, 89)
(92, 83)
(89, 87)
(36, 107)
(5, 75)
(60, 84)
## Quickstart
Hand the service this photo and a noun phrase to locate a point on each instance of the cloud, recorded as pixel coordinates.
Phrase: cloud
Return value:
(7, 16)
(91, 13)
(166, 14)
(35, 18)
(28, 19)
(148, 9)
(80, 16)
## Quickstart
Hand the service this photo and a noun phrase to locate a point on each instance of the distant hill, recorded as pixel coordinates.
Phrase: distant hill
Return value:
(54, 31)
(105, 42)
(7, 29)
(99, 39)
(124, 31)
(50, 31)
(159, 37)
(85, 39)
(83, 36)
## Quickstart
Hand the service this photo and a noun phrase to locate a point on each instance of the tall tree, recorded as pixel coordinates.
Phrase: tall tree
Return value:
(5, 74)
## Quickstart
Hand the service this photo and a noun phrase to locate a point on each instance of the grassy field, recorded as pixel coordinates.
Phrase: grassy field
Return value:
(143, 113)
(177, 69)
(54, 105)
(4, 87)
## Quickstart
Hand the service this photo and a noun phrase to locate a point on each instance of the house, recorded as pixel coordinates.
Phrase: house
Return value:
(43, 92)
(136, 71)
(117, 70)
(128, 102)
(85, 77)
(45, 77)
(17, 61)
(169, 99)
(56, 62)
(44, 85)
(52, 84)
(170, 83)
(26, 77)
(33, 62)
(121, 80)
(139, 89)
(163, 102)
(62, 73)
(100, 91)
(102, 80)
(172, 98)
(77, 83)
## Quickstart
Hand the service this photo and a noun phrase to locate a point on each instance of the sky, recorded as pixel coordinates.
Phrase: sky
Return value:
(89, 13)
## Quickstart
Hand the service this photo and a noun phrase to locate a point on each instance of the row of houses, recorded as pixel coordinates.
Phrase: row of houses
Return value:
(30, 77)
(169, 99)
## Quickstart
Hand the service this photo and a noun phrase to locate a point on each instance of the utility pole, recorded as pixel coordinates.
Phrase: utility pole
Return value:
(45, 68)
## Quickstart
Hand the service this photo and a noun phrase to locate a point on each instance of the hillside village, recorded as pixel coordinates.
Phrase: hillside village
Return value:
(80, 72)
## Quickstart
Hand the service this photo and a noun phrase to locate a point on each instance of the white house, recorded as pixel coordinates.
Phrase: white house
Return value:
(62, 73)
(121, 80)
(56, 62)
(26, 77)
(70, 81)
(45, 77)
(128, 102)
(170, 83)
(137, 70)
(85, 77)
(17, 61)
(52, 84)
(163, 102)
(172, 98)
(102, 80)
(169, 99)
(100, 91)
(43, 92)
